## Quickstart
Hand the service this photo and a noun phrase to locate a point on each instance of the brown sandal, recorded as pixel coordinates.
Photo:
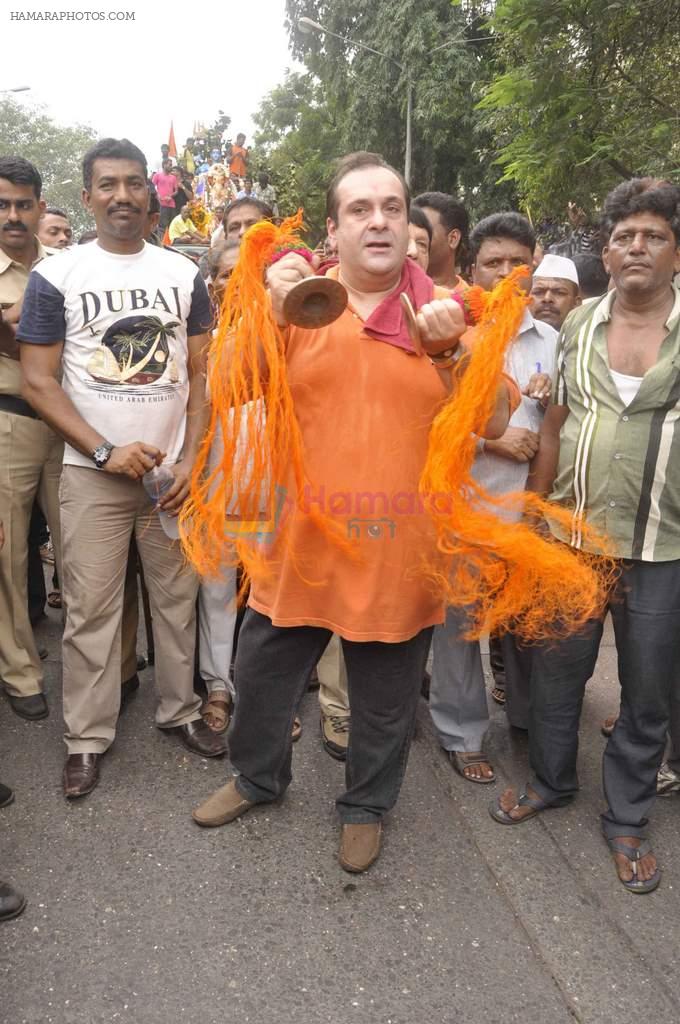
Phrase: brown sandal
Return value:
(461, 760)
(216, 712)
(54, 599)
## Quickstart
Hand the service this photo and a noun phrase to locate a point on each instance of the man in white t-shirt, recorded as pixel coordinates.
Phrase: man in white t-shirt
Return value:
(125, 326)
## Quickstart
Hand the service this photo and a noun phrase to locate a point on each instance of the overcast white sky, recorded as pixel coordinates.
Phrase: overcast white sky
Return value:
(179, 61)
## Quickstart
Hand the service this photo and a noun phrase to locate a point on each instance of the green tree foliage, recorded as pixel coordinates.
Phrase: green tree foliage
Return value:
(533, 103)
(350, 99)
(298, 140)
(56, 150)
(584, 94)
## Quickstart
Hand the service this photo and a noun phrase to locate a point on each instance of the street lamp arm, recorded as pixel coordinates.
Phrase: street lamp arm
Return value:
(306, 24)
(459, 39)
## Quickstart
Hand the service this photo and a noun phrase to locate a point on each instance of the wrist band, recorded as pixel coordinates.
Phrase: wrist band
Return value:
(446, 359)
(286, 250)
(445, 354)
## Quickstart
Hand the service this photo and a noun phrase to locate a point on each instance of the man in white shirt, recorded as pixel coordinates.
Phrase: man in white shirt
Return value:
(126, 324)
(458, 704)
(555, 291)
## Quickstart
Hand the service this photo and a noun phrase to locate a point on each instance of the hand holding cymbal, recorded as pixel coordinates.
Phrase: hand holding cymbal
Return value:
(299, 296)
(436, 328)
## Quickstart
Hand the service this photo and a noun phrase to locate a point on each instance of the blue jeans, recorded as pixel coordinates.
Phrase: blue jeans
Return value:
(273, 665)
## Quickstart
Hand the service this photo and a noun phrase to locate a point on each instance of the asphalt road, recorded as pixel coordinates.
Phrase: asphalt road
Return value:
(136, 915)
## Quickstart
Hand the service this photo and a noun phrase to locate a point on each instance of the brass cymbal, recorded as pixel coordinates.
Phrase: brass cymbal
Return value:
(411, 323)
(315, 302)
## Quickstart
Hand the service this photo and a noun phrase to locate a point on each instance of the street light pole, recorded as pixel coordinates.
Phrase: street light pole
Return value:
(408, 154)
(307, 25)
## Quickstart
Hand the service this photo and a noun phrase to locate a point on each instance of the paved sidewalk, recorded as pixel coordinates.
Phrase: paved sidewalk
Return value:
(137, 915)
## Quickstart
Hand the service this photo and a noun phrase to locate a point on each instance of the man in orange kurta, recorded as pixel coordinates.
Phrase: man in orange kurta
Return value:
(238, 157)
(364, 402)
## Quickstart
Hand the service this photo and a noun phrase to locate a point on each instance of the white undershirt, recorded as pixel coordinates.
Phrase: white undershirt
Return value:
(626, 386)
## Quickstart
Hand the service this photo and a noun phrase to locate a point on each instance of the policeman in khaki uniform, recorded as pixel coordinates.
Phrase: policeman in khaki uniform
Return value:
(30, 453)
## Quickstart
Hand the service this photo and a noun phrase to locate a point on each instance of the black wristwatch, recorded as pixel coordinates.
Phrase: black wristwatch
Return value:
(102, 454)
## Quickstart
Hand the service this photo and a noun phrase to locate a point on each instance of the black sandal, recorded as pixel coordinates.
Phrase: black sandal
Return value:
(503, 817)
(635, 854)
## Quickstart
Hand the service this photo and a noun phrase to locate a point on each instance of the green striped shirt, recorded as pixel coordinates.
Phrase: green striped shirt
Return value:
(619, 466)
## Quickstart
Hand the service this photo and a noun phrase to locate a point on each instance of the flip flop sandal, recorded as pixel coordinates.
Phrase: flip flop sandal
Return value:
(297, 729)
(498, 695)
(460, 762)
(503, 818)
(634, 854)
(54, 599)
(216, 713)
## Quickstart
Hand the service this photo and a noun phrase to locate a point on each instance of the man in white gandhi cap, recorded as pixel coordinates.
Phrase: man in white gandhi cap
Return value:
(555, 290)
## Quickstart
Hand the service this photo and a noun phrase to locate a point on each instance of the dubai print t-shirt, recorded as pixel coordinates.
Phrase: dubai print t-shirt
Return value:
(124, 321)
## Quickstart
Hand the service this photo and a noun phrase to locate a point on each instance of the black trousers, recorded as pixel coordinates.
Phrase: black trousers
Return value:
(168, 213)
(645, 610)
(511, 667)
(37, 592)
(273, 665)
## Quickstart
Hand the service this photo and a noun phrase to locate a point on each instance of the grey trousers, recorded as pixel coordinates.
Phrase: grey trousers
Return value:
(458, 704)
(645, 610)
(217, 611)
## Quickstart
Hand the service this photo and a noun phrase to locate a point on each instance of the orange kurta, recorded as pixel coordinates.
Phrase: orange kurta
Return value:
(365, 410)
(237, 164)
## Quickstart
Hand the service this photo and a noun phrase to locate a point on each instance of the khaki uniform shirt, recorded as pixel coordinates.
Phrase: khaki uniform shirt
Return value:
(13, 281)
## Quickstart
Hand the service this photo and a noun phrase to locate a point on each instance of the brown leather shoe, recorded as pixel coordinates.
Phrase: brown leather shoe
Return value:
(359, 846)
(81, 774)
(222, 807)
(198, 738)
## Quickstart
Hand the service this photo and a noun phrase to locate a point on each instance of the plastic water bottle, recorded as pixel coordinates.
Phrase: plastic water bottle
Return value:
(158, 482)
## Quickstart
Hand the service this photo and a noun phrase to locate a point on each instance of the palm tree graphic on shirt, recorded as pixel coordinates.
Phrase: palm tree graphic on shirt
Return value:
(135, 350)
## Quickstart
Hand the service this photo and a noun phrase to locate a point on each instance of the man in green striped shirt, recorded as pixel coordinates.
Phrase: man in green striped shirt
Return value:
(609, 449)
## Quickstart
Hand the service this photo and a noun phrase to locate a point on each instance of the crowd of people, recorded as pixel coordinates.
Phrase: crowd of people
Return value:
(205, 187)
(104, 350)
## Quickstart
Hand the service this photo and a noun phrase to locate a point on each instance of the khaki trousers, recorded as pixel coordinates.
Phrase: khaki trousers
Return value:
(332, 673)
(30, 466)
(99, 515)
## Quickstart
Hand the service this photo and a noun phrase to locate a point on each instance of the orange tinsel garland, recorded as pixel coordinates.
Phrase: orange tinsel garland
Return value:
(509, 573)
(252, 410)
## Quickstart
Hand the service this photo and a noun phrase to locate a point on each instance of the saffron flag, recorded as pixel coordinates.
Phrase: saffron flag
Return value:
(172, 147)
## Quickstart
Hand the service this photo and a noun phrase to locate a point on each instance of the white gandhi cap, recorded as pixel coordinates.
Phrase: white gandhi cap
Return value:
(557, 266)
